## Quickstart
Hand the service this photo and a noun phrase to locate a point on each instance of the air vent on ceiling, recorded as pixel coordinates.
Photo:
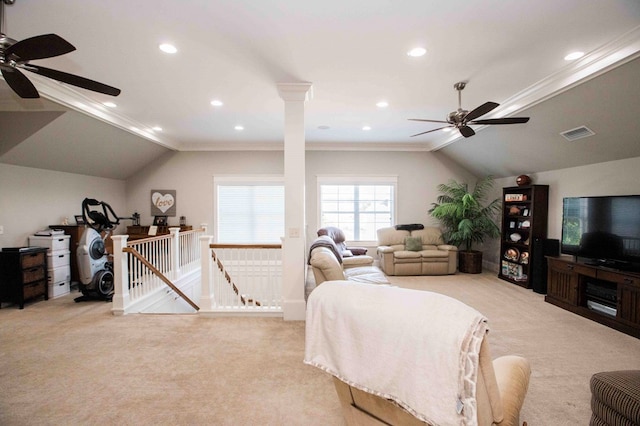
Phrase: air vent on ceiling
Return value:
(577, 133)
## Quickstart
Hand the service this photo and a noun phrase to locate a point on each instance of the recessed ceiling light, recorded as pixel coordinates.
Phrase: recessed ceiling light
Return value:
(324, 127)
(366, 128)
(216, 103)
(382, 104)
(157, 128)
(417, 52)
(109, 104)
(168, 48)
(239, 128)
(573, 56)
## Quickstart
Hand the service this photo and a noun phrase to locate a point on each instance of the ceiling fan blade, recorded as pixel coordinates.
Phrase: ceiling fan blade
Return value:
(428, 121)
(506, 120)
(481, 110)
(40, 47)
(20, 84)
(74, 80)
(429, 131)
(466, 131)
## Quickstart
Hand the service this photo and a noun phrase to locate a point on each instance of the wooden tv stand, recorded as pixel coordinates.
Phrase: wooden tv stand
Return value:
(610, 297)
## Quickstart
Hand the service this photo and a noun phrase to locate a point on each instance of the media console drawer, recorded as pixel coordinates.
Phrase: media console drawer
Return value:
(619, 278)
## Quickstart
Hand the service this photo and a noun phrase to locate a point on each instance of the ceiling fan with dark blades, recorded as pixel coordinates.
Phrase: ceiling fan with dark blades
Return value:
(461, 119)
(15, 55)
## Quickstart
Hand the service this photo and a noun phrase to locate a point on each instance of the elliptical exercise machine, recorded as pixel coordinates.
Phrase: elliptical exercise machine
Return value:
(94, 267)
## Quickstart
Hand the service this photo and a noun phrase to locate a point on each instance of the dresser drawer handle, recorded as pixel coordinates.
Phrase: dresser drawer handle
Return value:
(570, 267)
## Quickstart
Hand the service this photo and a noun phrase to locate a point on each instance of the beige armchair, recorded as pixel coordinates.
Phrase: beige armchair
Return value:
(415, 252)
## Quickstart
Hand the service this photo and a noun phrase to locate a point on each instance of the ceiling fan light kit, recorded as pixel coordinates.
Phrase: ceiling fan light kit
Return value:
(461, 118)
(15, 55)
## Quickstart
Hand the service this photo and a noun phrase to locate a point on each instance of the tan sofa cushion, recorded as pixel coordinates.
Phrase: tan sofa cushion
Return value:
(430, 235)
(391, 237)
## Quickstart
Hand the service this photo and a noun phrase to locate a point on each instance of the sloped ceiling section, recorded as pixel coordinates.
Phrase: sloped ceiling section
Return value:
(75, 143)
(17, 126)
(608, 104)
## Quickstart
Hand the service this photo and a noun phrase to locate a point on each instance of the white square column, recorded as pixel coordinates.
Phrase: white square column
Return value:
(294, 244)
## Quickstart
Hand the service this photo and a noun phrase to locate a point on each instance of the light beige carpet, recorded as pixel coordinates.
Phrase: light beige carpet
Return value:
(67, 363)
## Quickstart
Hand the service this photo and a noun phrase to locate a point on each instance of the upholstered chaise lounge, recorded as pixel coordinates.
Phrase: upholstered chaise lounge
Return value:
(415, 252)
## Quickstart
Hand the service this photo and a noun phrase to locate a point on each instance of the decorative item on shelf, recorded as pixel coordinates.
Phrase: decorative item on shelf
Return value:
(525, 224)
(515, 197)
(525, 212)
(183, 221)
(512, 254)
(524, 257)
(79, 219)
(514, 211)
(515, 237)
(136, 219)
(523, 180)
(160, 220)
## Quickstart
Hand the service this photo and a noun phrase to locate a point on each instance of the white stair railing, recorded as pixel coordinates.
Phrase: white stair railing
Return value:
(165, 258)
(241, 278)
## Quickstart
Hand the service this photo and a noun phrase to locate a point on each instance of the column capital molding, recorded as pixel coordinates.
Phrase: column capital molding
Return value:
(295, 91)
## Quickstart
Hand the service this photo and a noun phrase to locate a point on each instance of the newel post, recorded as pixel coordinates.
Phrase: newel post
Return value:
(175, 252)
(206, 301)
(121, 298)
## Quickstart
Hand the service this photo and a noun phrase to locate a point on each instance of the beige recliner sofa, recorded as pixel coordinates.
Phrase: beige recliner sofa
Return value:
(415, 252)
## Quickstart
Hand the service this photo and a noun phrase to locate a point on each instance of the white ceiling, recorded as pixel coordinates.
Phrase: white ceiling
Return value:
(354, 54)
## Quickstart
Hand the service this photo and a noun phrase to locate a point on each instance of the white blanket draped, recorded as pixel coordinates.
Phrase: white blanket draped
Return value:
(417, 348)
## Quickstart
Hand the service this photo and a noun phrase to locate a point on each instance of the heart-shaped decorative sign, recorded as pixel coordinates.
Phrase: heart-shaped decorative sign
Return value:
(162, 202)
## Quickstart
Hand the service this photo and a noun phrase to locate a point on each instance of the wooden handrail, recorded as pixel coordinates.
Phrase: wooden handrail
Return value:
(246, 246)
(161, 276)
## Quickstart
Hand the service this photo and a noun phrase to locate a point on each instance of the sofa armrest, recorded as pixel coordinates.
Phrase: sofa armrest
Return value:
(512, 375)
(385, 256)
(325, 265)
(447, 247)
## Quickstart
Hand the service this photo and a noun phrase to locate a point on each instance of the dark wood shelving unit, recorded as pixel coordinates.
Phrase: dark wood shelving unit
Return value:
(524, 219)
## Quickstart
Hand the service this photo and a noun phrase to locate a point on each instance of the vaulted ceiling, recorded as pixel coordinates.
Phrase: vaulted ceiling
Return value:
(354, 54)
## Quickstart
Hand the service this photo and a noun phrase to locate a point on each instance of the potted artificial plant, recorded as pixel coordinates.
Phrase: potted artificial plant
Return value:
(466, 219)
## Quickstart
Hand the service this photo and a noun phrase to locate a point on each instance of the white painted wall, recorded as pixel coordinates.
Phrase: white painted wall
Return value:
(620, 177)
(191, 175)
(32, 199)
(419, 173)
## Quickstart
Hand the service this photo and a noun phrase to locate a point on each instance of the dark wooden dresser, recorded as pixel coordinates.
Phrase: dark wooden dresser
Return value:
(23, 274)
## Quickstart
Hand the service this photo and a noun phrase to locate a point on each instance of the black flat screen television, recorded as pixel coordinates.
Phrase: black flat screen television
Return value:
(604, 231)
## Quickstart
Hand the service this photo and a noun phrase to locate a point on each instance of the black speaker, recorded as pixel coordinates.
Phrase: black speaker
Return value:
(542, 247)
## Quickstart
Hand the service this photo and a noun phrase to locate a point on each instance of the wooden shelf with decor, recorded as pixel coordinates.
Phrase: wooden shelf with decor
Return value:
(524, 219)
(138, 232)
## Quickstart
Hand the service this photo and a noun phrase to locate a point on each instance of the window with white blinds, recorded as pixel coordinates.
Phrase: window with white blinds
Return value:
(249, 211)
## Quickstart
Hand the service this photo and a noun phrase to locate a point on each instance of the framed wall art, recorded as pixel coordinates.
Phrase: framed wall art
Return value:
(163, 202)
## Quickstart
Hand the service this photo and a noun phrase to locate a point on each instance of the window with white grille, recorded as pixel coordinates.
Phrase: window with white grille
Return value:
(357, 205)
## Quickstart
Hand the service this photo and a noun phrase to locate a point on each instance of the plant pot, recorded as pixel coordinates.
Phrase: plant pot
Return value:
(470, 261)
